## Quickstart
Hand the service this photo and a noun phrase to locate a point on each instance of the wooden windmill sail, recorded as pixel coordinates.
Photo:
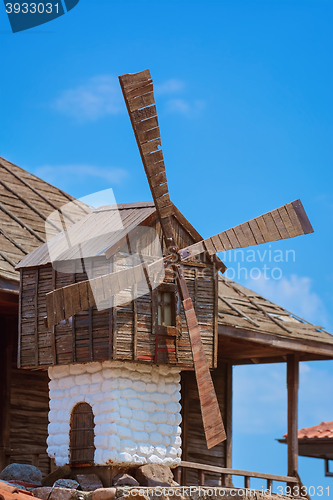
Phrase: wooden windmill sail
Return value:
(285, 222)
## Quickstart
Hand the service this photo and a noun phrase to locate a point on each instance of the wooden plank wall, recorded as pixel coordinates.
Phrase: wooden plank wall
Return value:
(29, 406)
(193, 436)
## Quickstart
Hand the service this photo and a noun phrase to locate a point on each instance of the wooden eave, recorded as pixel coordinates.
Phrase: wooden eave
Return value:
(314, 447)
(248, 347)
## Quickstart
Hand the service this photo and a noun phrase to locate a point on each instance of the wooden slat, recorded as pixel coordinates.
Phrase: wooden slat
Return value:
(90, 333)
(144, 114)
(140, 91)
(219, 247)
(211, 415)
(131, 79)
(209, 246)
(302, 217)
(243, 240)
(149, 147)
(36, 317)
(273, 230)
(256, 231)
(157, 180)
(145, 126)
(150, 134)
(141, 101)
(294, 219)
(287, 222)
(284, 222)
(53, 342)
(59, 305)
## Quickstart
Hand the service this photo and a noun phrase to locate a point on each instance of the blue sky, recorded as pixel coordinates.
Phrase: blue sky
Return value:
(244, 95)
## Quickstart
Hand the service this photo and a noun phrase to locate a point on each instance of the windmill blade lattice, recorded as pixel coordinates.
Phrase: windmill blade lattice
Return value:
(288, 221)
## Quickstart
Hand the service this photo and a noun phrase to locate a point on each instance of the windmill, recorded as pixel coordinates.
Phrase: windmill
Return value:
(288, 221)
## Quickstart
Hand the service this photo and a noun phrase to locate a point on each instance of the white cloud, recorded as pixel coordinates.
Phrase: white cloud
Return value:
(99, 96)
(70, 174)
(184, 107)
(295, 294)
(169, 86)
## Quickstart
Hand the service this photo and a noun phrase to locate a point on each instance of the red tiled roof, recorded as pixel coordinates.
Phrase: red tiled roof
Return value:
(323, 430)
(9, 492)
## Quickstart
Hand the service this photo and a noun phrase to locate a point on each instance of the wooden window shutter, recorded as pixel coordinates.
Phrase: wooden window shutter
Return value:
(82, 447)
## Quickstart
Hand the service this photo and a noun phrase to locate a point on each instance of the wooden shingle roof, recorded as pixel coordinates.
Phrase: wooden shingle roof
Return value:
(247, 315)
(25, 203)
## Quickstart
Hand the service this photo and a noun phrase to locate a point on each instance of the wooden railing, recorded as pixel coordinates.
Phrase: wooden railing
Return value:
(224, 473)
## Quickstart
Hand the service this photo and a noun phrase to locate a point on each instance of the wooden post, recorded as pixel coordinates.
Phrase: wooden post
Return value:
(184, 405)
(228, 445)
(292, 439)
(246, 482)
(201, 477)
(6, 346)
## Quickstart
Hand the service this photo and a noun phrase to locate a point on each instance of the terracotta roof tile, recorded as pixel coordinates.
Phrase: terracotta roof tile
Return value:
(323, 430)
(11, 492)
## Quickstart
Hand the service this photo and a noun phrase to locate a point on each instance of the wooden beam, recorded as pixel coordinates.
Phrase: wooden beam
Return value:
(280, 342)
(292, 388)
(90, 332)
(228, 446)
(36, 317)
(6, 346)
(216, 315)
(53, 341)
(135, 327)
(184, 424)
(19, 340)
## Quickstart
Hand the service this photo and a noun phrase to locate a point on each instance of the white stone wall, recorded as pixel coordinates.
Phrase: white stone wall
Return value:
(136, 411)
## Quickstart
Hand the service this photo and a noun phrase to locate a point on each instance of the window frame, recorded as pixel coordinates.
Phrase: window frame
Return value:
(175, 329)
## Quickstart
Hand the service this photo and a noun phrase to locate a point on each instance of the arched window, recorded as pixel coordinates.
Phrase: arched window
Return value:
(82, 435)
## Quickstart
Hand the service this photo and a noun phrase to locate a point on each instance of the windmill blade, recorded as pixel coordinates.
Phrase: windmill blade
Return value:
(210, 410)
(64, 302)
(288, 221)
(138, 93)
(139, 98)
